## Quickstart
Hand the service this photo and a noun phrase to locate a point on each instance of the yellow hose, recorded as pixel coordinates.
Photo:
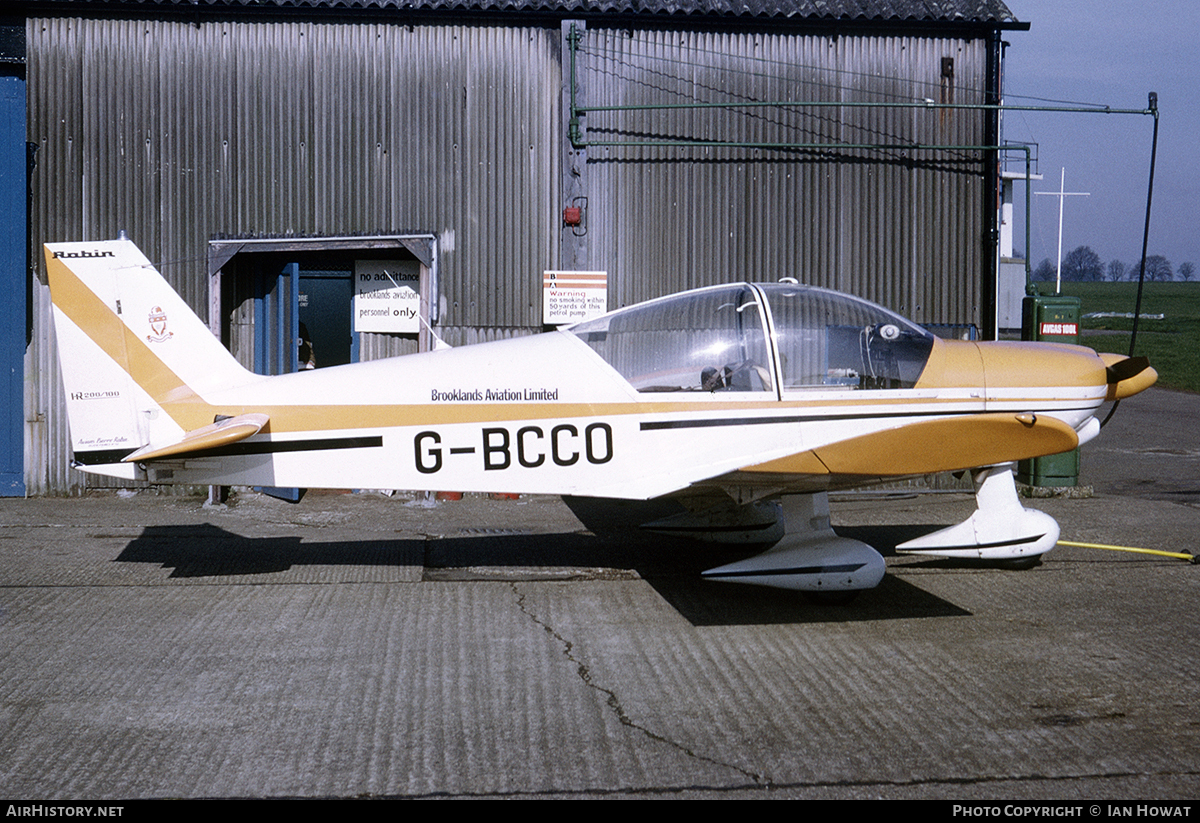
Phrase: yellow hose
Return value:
(1191, 558)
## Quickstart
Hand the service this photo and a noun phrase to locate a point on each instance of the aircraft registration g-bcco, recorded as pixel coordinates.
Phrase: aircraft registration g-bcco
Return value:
(748, 402)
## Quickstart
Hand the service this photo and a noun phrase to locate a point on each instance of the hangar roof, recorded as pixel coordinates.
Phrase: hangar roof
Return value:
(989, 12)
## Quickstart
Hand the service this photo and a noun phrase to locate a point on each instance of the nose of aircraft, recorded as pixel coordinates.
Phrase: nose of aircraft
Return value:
(1041, 365)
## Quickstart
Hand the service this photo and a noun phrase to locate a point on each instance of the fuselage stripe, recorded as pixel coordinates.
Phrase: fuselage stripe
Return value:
(278, 446)
(656, 425)
(101, 457)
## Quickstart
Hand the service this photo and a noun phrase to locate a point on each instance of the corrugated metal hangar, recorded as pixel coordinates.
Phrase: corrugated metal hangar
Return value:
(260, 150)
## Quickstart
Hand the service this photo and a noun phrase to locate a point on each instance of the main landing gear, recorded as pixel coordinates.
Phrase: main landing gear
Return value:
(811, 558)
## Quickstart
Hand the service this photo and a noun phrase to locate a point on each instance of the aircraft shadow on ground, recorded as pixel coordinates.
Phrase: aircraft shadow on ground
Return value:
(671, 566)
(703, 602)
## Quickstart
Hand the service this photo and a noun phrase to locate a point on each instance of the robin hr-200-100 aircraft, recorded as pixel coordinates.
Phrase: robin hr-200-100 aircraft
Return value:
(747, 402)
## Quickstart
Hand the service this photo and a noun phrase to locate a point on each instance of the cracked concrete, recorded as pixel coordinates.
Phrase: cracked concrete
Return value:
(613, 701)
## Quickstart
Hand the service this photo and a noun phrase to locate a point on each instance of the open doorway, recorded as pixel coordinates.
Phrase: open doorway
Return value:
(303, 315)
(263, 290)
(327, 336)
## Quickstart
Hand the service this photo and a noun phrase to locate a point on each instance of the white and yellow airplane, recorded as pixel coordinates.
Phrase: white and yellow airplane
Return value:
(748, 402)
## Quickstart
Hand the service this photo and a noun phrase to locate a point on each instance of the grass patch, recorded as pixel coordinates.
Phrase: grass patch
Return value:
(1172, 344)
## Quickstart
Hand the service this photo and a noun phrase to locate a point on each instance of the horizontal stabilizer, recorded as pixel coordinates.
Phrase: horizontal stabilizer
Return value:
(221, 433)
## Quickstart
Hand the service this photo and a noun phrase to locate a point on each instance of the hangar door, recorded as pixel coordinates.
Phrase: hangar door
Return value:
(267, 295)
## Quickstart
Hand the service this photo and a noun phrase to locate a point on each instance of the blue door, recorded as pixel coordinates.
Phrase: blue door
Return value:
(302, 320)
(276, 336)
(277, 321)
(13, 271)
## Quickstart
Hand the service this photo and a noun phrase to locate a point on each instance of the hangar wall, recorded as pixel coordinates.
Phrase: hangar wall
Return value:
(900, 226)
(180, 132)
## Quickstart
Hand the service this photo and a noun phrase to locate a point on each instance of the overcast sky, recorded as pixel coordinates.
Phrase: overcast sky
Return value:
(1110, 52)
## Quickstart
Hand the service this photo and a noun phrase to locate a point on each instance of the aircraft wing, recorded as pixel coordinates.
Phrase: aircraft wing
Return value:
(925, 447)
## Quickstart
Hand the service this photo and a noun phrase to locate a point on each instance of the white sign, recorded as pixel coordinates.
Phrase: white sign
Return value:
(386, 296)
(573, 296)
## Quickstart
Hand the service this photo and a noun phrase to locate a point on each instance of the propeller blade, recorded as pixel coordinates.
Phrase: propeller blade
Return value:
(1127, 368)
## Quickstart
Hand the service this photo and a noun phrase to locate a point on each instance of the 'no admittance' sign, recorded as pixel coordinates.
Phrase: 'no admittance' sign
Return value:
(386, 297)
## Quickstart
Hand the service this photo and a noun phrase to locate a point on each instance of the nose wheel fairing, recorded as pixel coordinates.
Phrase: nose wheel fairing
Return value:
(1000, 529)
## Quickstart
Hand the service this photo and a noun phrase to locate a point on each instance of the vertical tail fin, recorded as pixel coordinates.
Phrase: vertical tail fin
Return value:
(137, 363)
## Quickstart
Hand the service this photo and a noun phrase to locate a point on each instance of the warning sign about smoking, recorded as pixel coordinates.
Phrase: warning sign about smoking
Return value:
(573, 296)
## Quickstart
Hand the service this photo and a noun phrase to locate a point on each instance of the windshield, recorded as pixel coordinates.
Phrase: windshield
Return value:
(827, 339)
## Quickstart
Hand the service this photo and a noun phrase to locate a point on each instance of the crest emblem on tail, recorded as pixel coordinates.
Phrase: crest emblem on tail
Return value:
(158, 325)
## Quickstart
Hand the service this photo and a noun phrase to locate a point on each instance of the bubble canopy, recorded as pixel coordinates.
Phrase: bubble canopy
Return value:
(759, 337)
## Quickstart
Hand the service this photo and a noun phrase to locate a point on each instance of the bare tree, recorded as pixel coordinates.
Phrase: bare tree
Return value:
(1186, 271)
(1082, 265)
(1044, 270)
(1157, 268)
(1116, 271)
